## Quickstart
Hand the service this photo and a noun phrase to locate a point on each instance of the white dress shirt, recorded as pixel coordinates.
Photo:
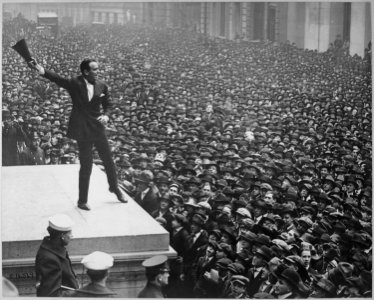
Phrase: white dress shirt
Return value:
(90, 89)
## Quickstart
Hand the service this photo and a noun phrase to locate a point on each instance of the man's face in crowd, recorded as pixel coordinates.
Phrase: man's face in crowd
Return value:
(195, 227)
(173, 190)
(257, 211)
(285, 184)
(350, 187)
(257, 261)
(163, 187)
(281, 287)
(306, 257)
(255, 191)
(142, 186)
(209, 108)
(212, 238)
(324, 172)
(269, 172)
(304, 192)
(268, 225)
(207, 189)
(213, 170)
(210, 251)
(238, 288)
(268, 198)
(287, 219)
(35, 142)
(327, 186)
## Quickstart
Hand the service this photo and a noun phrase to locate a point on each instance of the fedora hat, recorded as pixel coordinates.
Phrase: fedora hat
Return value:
(294, 279)
(144, 177)
(327, 286)
(265, 252)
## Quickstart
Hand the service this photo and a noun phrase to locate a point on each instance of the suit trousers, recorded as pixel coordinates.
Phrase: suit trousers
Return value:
(86, 160)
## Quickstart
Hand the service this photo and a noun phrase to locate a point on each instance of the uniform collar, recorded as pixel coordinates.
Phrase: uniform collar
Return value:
(96, 289)
(54, 247)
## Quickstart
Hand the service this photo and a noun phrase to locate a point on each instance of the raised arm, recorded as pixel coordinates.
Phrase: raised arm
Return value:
(52, 76)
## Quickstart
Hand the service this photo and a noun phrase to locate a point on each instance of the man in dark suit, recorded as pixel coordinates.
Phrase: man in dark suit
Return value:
(259, 273)
(87, 123)
(196, 241)
(146, 195)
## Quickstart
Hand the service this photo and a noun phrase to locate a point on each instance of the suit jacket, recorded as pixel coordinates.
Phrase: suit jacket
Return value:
(149, 203)
(151, 291)
(256, 282)
(53, 269)
(29, 157)
(83, 123)
(179, 241)
(204, 288)
(193, 252)
(94, 290)
(167, 216)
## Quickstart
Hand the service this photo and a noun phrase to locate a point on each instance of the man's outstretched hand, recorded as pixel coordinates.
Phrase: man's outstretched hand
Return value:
(33, 64)
(103, 119)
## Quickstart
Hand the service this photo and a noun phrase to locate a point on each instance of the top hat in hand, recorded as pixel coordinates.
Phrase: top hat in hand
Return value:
(23, 50)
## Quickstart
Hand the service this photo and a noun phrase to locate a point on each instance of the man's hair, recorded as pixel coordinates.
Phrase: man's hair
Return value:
(152, 274)
(85, 64)
(96, 275)
(53, 233)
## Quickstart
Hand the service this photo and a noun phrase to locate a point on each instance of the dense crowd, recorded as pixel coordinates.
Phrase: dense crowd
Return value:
(255, 156)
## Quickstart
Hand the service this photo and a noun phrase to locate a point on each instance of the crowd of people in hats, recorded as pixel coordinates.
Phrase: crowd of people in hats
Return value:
(255, 157)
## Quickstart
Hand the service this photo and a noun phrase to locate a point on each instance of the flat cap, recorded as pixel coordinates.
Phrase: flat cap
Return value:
(240, 278)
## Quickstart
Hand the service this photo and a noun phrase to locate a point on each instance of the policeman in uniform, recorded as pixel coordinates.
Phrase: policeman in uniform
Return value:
(97, 264)
(157, 273)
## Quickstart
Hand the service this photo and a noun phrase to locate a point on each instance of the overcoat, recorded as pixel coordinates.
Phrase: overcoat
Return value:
(151, 291)
(93, 290)
(53, 270)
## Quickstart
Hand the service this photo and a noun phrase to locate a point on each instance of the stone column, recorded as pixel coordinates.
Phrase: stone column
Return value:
(324, 26)
(265, 34)
(168, 10)
(244, 19)
(210, 19)
(336, 20)
(203, 19)
(311, 25)
(360, 28)
(296, 21)
(230, 18)
(317, 26)
(96, 16)
(111, 18)
(277, 23)
(282, 10)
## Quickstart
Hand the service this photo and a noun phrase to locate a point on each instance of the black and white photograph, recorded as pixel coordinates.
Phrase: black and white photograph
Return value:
(186, 149)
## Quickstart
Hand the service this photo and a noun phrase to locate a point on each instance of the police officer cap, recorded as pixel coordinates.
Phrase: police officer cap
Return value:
(60, 222)
(98, 261)
(156, 262)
